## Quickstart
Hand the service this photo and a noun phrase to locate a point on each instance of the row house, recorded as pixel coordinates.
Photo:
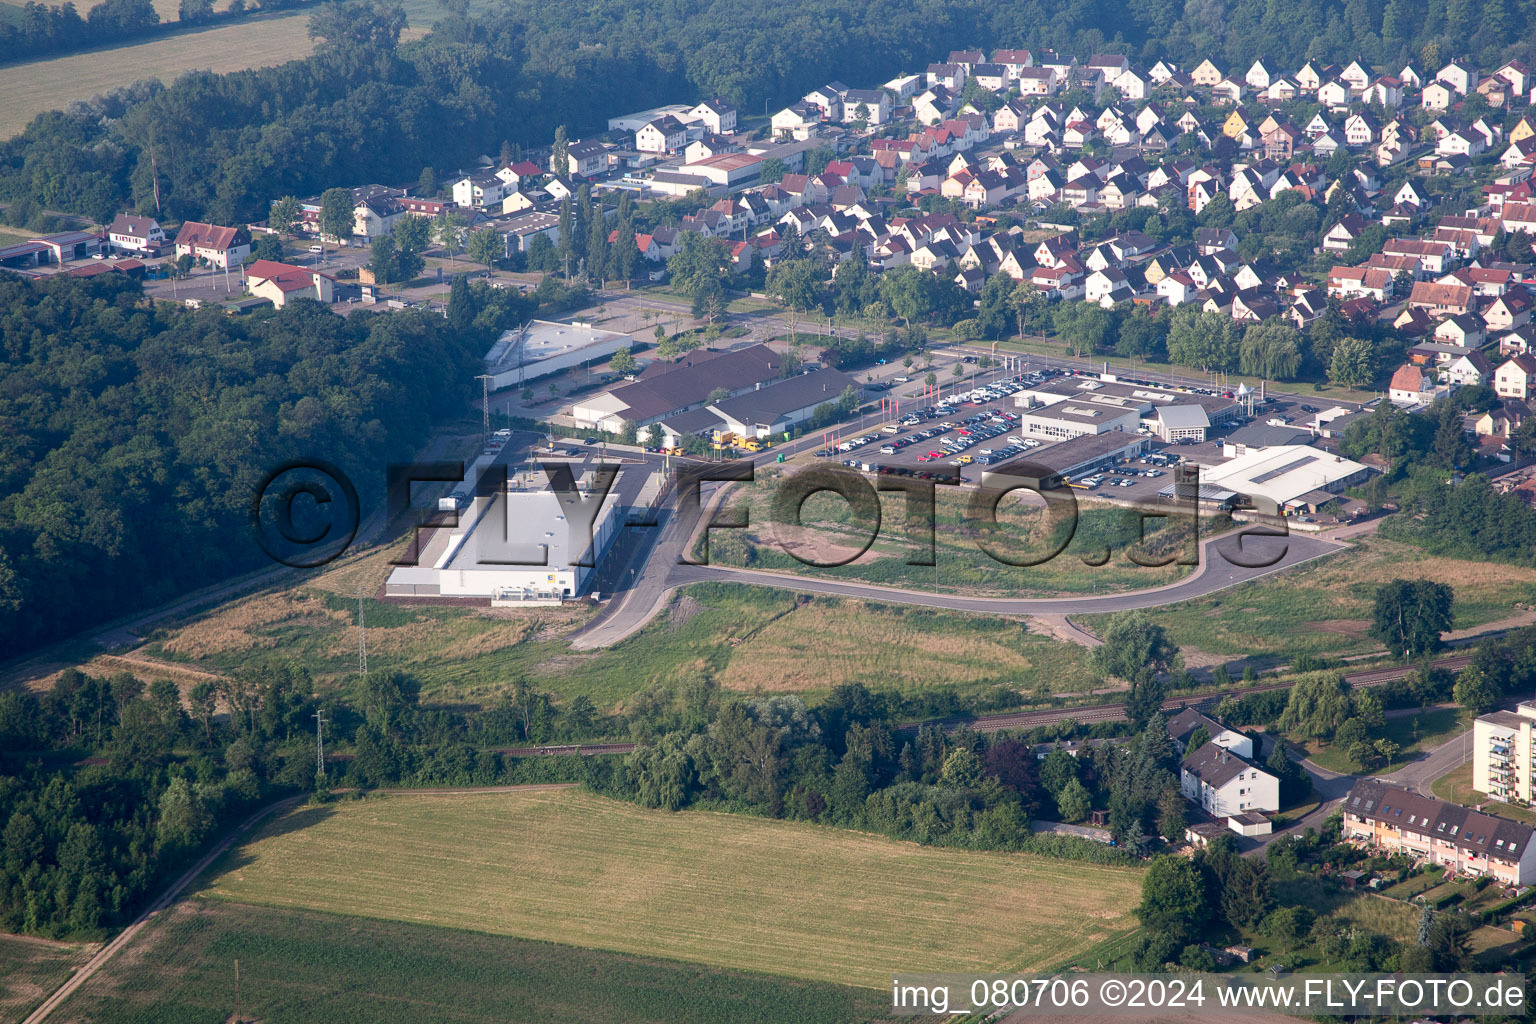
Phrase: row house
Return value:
(1463, 841)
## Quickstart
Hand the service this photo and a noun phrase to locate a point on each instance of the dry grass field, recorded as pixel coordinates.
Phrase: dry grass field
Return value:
(723, 890)
(751, 639)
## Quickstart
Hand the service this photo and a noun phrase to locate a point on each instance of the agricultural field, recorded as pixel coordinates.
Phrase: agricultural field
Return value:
(1096, 559)
(31, 89)
(752, 639)
(306, 967)
(1324, 608)
(55, 82)
(32, 968)
(724, 890)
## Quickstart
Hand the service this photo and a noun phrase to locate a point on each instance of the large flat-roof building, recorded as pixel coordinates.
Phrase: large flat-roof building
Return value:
(1051, 466)
(666, 388)
(1065, 407)
(525, 542)
(1292, 478)
(542, 347)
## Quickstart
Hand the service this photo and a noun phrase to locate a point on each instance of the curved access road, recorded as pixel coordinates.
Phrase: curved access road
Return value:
(1225, 561)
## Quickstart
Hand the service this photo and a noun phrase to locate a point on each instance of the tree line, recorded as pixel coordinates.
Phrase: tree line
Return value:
(361, 108)
(136, 434)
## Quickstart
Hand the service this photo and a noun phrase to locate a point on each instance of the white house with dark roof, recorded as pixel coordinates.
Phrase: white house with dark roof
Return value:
(135, 234)
(1222, 782)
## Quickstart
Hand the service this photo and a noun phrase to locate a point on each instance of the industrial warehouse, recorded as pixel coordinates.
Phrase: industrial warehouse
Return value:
(519, 538)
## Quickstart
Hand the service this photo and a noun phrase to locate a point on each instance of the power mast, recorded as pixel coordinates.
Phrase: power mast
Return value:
(362, 637)
(320, 742)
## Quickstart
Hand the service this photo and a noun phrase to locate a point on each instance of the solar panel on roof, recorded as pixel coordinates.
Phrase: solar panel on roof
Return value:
(1270, 474)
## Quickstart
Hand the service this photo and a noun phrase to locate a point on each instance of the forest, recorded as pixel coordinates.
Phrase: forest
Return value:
(133, 436)
(366, 108)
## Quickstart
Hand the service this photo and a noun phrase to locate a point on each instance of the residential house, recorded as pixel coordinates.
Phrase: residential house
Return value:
(1207, 73)
(1463, 330)
(281, 283)
(1516, 378)
(1353, 282)
(212, 245)
(1410, 385)
(1437, 96)
(1441, 299)
(1509, 311)
(131, 233)
(663, 135)
(716, 115)
(872, 106)
(480, 191)
(1459, 839)
(584, 159)
(796, 121)
(1460, 76)
(1470, 370)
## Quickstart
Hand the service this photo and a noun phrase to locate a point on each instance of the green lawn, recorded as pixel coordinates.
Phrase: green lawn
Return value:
(724, 890)
(1096, 557)
(1456, 786)
(1414, 734)
(1324, 608)
(308, 967)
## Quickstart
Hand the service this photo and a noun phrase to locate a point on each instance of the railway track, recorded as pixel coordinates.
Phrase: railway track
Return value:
(1086, 714)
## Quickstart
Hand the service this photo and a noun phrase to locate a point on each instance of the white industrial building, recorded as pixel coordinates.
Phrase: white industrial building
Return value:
(542, 347)
(1065, 407)
(521, 543)
(1293, 477)
(632, 123)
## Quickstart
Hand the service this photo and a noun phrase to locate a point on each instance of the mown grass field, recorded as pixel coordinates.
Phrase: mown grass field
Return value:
(1324, 608)
(31, 89)
(1096, 559)
(306, 967)
(1456, 786)
(30, 969)
(723, 890)
(750, 638)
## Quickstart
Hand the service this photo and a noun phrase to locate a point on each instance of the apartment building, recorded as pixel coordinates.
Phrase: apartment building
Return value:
(1458, 838)
(1222, 782)
(1502, 748)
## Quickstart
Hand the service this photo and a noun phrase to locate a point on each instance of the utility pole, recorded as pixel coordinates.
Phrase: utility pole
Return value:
(319, 742)
(485, 407)
(237, 992)
(362, 638)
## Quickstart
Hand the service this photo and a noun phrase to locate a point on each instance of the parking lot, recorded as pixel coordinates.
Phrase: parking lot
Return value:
(956, 439)
(973, 430)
